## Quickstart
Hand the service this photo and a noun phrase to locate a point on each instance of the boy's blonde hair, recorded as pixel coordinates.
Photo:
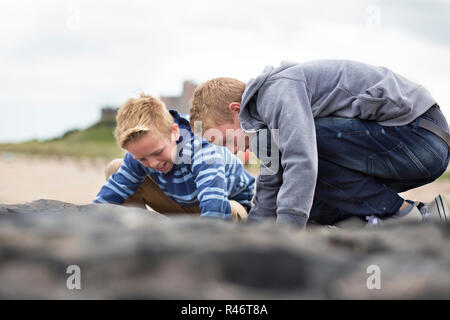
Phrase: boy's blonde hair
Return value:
(211, 100)
(137, 117)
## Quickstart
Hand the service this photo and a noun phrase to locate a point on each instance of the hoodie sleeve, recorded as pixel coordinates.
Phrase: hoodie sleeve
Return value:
(284, 105)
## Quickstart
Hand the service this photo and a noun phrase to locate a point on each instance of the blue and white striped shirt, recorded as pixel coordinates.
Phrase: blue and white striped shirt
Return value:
(203, 175)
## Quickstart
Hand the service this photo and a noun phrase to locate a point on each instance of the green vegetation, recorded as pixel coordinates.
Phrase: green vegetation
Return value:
(96, 141)
(445, 176)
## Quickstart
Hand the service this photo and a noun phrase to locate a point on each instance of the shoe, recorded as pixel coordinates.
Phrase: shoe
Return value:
(436, 210)
(414, 215)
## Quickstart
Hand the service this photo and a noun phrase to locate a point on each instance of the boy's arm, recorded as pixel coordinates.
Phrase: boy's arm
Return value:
(123, 183)
(270, 178)
(285, 106)
(208, 168)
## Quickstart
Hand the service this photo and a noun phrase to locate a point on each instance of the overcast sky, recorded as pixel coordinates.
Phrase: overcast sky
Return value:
(60, 61)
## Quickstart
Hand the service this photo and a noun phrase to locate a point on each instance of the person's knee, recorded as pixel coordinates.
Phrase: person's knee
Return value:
(112, 167)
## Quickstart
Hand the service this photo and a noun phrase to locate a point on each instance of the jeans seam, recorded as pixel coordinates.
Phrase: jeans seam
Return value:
(428, 146)
(344, 133)
(414, 159)
(386, 161)
(403, 148)
(354, 133)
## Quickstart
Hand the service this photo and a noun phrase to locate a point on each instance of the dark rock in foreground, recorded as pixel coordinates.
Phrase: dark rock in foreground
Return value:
(134, 253)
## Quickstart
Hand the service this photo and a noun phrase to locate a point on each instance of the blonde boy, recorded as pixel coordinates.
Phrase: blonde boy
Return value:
(170, 169)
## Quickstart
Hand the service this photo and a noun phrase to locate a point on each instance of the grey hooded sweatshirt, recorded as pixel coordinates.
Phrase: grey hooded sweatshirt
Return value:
(289, 97)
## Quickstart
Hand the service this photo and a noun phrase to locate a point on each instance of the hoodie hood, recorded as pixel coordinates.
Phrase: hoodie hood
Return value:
(248, 116)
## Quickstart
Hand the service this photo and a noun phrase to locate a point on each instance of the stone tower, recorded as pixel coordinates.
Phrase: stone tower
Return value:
(179, 103)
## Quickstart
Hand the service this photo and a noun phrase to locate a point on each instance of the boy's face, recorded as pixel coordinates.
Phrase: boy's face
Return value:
(155, 150)
(233, 137)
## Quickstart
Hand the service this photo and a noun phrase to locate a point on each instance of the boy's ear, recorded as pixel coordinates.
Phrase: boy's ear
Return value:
(175, 132)
(234, 107)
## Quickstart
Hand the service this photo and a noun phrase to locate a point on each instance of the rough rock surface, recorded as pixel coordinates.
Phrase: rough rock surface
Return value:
(134, 253)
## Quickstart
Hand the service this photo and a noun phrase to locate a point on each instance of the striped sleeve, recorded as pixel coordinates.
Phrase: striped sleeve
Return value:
(123, 183)
(243, 191)
(208, 168)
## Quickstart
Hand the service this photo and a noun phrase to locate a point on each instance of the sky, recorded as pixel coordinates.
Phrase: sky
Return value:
(61, 61)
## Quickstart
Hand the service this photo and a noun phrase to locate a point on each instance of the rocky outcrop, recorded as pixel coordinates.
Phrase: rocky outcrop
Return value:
(134, 253)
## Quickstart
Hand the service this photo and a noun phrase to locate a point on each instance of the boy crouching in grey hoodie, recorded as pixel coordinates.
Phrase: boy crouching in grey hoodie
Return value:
(336, 139)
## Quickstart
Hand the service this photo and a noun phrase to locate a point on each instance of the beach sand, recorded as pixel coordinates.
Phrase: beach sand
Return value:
(27, 178)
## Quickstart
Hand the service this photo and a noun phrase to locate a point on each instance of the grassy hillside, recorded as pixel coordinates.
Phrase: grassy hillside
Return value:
(96, 141)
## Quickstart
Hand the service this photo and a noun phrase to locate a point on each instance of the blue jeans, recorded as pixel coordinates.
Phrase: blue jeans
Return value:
(364, 165)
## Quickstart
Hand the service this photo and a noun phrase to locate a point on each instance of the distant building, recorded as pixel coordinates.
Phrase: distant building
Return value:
(179, 103)
(108, 113)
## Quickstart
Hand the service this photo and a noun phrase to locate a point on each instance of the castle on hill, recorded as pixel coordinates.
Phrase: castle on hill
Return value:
(179, 103)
